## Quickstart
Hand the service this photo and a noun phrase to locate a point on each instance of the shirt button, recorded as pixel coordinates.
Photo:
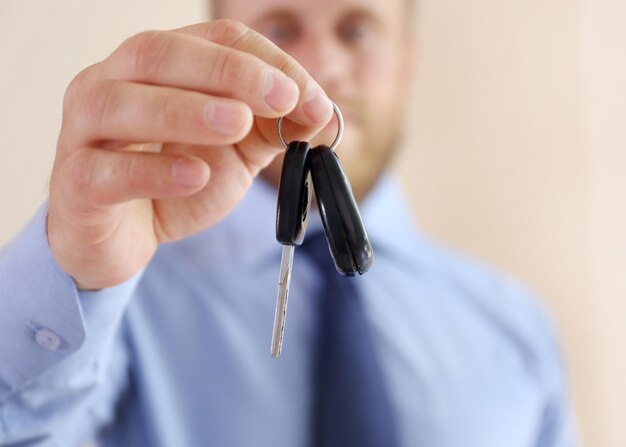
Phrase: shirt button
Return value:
(47, 340)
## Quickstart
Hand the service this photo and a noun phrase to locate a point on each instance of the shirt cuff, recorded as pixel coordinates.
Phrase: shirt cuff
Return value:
(42, 320)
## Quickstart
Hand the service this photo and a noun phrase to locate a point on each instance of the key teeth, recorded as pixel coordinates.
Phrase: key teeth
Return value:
(280, 314)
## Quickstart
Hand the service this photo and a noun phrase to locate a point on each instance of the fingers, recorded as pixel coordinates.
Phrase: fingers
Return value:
(180, 60)
(191, 86)
(313, 108)
(132, 112)
(224, 58)
(197, 85)
(99, 177)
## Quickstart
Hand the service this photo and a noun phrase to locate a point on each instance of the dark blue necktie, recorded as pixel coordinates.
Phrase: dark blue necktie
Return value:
(352, 406)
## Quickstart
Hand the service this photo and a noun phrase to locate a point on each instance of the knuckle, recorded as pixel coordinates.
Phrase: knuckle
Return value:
(99, 102)
(226, 31)
(228, 68)
(79, 173)
(234, 34)
(130, 173)
(290, 67)
(76, 85)
(171, 114)
(145, 52)
(78, 88)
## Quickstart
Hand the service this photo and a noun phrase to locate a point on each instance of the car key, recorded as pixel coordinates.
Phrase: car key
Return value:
(292, 211)
(346, 235)
(347, 239)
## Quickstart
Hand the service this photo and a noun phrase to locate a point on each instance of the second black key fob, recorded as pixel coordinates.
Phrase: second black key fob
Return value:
(347, 238)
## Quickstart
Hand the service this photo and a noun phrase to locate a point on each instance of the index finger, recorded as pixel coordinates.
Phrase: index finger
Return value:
(313, 108)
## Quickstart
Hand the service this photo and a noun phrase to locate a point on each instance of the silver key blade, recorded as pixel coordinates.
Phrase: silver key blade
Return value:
(281, 301)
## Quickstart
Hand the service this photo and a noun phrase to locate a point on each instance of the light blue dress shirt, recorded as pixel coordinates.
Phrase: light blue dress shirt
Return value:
(179, 355)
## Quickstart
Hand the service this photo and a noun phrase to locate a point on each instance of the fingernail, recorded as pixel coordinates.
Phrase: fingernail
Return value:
(316, 104)
(224, 117)
(279, 91)
(189, 173)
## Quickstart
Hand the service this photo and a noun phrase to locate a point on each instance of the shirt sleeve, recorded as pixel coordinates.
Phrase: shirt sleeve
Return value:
(556, 424)
(62, 357)
(557, 427)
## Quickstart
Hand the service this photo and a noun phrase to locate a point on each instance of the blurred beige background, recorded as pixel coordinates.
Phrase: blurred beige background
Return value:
(516, 151)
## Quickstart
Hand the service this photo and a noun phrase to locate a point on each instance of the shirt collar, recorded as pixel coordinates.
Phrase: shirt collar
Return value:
(391, 226)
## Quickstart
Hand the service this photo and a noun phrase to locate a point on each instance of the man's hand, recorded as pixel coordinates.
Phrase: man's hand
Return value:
(163, 138)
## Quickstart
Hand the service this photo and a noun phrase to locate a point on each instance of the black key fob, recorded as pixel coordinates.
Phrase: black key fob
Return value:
(294, 194)
(347, 239)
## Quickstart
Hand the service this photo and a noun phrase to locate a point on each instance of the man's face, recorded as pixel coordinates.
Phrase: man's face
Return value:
(360, 53)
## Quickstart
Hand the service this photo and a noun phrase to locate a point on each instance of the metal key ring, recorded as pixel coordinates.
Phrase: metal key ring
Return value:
(339, 128)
